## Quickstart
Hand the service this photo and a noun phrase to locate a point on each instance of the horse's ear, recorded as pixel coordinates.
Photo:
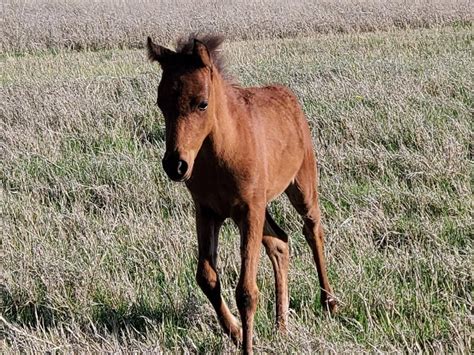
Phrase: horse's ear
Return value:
(201, 53)
(157, 52)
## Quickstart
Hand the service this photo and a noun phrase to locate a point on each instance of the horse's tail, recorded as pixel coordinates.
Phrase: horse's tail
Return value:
(272, 228)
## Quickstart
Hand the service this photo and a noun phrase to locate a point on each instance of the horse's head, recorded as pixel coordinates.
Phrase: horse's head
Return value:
(185, 97)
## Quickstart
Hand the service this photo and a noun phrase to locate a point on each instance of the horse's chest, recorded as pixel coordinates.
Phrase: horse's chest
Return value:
(214, 188)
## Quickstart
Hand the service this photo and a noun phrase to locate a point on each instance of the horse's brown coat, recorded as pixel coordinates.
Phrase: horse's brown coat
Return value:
(237, 149)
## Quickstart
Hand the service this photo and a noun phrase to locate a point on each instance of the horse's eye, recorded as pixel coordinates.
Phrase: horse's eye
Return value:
(202, 106)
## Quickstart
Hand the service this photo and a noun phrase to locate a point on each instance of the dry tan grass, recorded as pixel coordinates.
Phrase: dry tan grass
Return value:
(44, 24)
(98, 248)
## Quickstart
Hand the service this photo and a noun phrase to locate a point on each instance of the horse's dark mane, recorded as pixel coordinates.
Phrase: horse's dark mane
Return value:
(213, 44)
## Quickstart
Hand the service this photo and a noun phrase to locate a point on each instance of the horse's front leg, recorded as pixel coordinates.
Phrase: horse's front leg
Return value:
(250, 223)
(208, 226)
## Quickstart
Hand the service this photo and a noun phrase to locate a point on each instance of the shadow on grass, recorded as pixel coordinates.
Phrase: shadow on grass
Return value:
(107, 317)
(20, 310)
(138, 316)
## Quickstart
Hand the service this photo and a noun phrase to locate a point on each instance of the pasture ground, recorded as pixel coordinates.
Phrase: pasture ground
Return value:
(98, 250)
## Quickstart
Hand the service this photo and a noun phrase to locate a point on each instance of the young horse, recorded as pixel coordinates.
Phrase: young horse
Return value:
(237, 149)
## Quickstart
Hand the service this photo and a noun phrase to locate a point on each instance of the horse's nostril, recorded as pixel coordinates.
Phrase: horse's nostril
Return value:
(174, 167)
(181, 168)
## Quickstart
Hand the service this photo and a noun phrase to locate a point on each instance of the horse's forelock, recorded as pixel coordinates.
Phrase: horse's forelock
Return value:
(212, 42)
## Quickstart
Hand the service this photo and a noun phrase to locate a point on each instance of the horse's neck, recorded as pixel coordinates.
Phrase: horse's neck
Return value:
(225, 133)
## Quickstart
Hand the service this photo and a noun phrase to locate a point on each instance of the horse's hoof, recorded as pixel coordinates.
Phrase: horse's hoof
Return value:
(236, 335)
(330, 304)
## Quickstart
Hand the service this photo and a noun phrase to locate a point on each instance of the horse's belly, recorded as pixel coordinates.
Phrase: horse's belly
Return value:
(280, 177)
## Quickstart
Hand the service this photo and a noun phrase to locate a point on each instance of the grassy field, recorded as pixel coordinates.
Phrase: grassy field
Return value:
(106, 24)
(98, 249)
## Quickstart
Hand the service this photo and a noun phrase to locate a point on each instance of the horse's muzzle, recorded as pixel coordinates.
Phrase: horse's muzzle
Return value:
(175, 167)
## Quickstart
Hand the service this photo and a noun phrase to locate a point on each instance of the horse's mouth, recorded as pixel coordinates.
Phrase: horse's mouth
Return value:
(183, 178)
(187, 176)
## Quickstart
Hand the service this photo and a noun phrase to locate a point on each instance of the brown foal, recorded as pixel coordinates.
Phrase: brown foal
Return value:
(237, 149)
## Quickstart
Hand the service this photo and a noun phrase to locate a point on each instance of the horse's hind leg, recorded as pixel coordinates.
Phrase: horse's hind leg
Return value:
(275, 241)
(304, 197)
(208, 226)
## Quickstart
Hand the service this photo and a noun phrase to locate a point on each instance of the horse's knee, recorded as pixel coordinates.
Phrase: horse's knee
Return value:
(246, 297)
(207, 278)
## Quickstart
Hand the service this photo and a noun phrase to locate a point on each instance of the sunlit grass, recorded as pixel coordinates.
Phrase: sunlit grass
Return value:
(98, 247)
